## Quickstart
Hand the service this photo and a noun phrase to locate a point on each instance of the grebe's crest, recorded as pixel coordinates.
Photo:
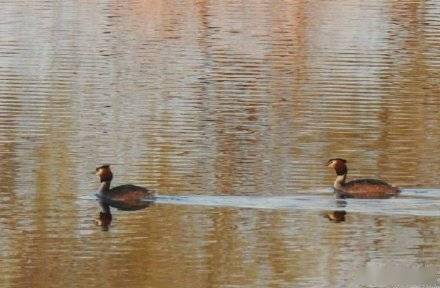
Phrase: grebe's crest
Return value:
(339, 165)
(104, 173)
(334, 161)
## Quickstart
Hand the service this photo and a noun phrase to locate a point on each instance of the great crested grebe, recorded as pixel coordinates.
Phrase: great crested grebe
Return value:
(362, 188)
(125, 197)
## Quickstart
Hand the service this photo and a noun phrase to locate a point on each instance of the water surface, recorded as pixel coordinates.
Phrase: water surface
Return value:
(231, 108)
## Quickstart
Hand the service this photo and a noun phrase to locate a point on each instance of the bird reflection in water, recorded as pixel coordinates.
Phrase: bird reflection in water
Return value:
(104, 220)
(105, 217)
(337, 216)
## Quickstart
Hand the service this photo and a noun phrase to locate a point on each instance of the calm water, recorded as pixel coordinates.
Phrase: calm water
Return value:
(229, 109)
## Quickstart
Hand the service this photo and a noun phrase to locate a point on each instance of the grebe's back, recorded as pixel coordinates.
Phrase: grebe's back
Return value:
(128, 197)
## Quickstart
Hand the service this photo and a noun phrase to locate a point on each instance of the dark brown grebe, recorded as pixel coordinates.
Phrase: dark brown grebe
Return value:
(362, 188)
(124, 197)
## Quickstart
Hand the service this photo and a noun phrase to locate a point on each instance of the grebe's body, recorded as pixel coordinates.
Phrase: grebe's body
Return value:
(362, 188)
(124, 197)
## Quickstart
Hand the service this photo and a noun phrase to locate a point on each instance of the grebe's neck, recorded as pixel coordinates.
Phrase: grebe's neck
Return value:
(341, 174)
(104, 187)
(340, 181)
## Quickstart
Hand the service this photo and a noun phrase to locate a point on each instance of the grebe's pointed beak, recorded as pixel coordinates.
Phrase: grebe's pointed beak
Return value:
(97, 170)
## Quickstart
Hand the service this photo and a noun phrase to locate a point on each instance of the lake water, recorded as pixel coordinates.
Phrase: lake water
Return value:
(229, 109)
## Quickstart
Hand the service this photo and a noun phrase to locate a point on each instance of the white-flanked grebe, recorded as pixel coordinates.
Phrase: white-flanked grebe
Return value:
(362, 188)
(124, 197)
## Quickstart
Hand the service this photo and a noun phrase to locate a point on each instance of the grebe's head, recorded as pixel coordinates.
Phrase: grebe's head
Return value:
(339, 165)
(336, 161)
(104, 173)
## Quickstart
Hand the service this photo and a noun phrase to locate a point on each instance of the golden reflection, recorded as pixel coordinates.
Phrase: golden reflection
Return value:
(213, 98)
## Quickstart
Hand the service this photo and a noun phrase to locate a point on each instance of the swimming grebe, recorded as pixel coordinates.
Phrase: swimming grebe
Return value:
(362, 188)
(124, 197)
